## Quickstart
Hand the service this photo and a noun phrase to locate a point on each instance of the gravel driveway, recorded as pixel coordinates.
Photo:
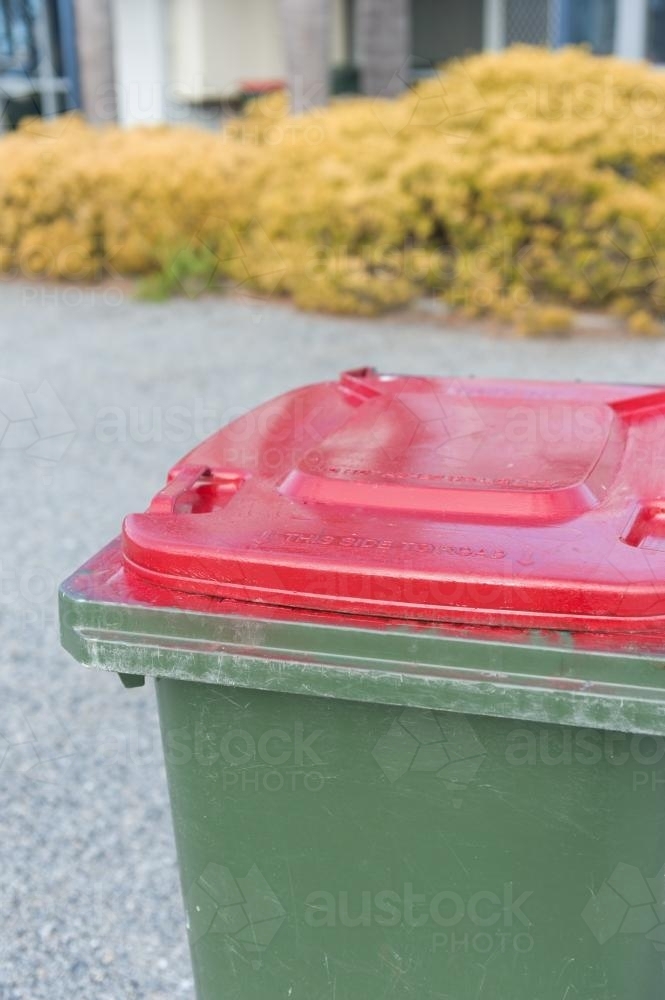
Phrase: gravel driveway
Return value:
(88, 880)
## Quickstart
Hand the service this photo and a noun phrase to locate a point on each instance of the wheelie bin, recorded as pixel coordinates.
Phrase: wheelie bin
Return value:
(407, 640)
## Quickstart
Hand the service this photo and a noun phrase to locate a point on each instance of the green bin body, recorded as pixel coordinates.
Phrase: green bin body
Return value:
(364, 813)
(370, 808)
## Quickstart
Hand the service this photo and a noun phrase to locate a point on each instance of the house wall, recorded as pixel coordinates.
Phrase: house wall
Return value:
(140, 60)
(215, 45)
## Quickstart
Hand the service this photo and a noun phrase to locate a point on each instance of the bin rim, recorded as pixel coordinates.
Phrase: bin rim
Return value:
(115, 623)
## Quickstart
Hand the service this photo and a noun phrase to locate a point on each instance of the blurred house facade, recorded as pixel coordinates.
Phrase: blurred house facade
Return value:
(147, 61)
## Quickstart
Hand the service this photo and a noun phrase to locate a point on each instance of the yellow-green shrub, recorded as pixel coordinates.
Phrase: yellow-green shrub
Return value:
(544, 319)
(507, 181)
(643, 323)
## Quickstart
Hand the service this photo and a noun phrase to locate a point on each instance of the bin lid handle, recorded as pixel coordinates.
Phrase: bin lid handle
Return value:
(187, 477)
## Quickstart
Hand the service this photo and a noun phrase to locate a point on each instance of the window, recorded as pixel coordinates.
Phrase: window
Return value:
(592, 22)
(656, 31)
(528, 21)
(18, 40)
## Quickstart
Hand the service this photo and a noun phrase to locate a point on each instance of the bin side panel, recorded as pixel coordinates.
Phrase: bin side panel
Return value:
(353, 851)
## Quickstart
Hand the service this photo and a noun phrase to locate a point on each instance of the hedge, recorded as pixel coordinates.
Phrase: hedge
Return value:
(519, 184)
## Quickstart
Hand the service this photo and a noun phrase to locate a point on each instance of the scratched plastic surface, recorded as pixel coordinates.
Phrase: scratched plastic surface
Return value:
(489, 502)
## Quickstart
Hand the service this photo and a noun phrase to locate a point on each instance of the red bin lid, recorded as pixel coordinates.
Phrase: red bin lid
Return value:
(440, 499)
